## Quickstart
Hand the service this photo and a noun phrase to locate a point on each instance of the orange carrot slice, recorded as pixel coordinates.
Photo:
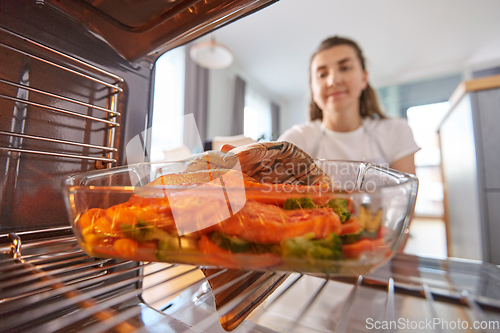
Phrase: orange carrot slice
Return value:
(350, 227)
(355, 250)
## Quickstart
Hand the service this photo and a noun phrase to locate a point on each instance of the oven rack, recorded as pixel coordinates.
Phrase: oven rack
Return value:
(50, 285)
(105, 83)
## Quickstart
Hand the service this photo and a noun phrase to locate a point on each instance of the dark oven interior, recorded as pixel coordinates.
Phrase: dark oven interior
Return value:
(76, 82)
(65, 96)
(76, 85)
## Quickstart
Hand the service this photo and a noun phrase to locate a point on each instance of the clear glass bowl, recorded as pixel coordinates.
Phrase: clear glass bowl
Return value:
(223, 220)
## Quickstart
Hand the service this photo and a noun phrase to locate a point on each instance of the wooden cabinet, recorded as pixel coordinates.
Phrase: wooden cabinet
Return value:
(470, 156)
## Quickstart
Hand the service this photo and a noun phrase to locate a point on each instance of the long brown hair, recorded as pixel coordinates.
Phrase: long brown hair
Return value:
(368, 102)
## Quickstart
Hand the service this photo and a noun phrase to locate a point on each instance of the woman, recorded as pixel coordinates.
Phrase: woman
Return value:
(346, 120)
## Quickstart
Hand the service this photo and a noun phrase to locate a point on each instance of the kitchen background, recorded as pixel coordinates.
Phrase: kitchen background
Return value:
(417, 55)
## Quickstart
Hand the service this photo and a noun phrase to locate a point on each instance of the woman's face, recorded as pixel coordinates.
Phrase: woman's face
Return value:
(337, 79)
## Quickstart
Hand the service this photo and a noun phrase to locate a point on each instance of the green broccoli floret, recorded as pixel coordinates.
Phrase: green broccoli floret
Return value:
(258, 248)
(339, 206)
(351, 238)
(239, 245)
(329, 248)
(144, 232)
(299, 203)
(297, 246)
(164, 248)
(175, 245)
(233, 244)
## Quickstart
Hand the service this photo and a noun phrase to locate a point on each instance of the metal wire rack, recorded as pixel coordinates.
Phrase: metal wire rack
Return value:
(50, 285)
(104, 84)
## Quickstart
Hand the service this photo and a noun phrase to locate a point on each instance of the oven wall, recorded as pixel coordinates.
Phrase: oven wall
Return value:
(31, 195)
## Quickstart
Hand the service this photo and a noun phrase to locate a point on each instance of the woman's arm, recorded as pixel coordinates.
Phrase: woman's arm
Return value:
(405, 164)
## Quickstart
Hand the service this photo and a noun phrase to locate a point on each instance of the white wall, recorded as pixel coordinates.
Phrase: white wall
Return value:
(221, 100)
(297, 112)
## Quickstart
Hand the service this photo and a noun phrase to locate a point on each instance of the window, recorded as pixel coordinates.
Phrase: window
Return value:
(257, 118)
(168, 106)
(424, 121)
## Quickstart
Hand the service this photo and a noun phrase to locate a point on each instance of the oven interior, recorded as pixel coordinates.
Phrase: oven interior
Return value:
(75, 86)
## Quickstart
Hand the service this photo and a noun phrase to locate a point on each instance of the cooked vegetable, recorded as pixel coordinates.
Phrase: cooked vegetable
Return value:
(350, 227)
(306, 246)
(220, 257)
(238, 245)
(369, 220)
(145, 232)
(258, 248)
(369, 234)
(173, 245)
(299, 203)
(205, 245)
(103, 227)
(87, 219)
(365, 245)
(233, 244)
(340, 208)
(91, 238)
(125, 247)
(350, 238)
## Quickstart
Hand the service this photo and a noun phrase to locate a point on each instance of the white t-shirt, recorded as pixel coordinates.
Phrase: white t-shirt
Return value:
(381, 141)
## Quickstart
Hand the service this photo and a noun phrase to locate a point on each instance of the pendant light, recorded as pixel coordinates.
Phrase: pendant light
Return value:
(211, 55)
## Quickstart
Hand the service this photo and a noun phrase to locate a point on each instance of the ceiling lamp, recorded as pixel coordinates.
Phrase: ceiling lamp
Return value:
(211, 55)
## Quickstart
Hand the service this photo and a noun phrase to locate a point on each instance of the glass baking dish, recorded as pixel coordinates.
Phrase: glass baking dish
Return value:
(222, 218)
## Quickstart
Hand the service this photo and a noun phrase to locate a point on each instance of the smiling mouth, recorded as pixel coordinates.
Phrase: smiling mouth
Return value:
(336, 94)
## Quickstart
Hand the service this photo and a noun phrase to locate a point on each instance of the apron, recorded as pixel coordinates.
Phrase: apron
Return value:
(373, 138)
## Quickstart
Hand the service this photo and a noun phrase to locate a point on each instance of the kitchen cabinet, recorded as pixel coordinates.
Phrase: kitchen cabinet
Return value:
(470, 157)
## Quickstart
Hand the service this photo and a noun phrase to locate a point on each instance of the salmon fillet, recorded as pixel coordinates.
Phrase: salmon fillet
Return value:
(262, 223)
